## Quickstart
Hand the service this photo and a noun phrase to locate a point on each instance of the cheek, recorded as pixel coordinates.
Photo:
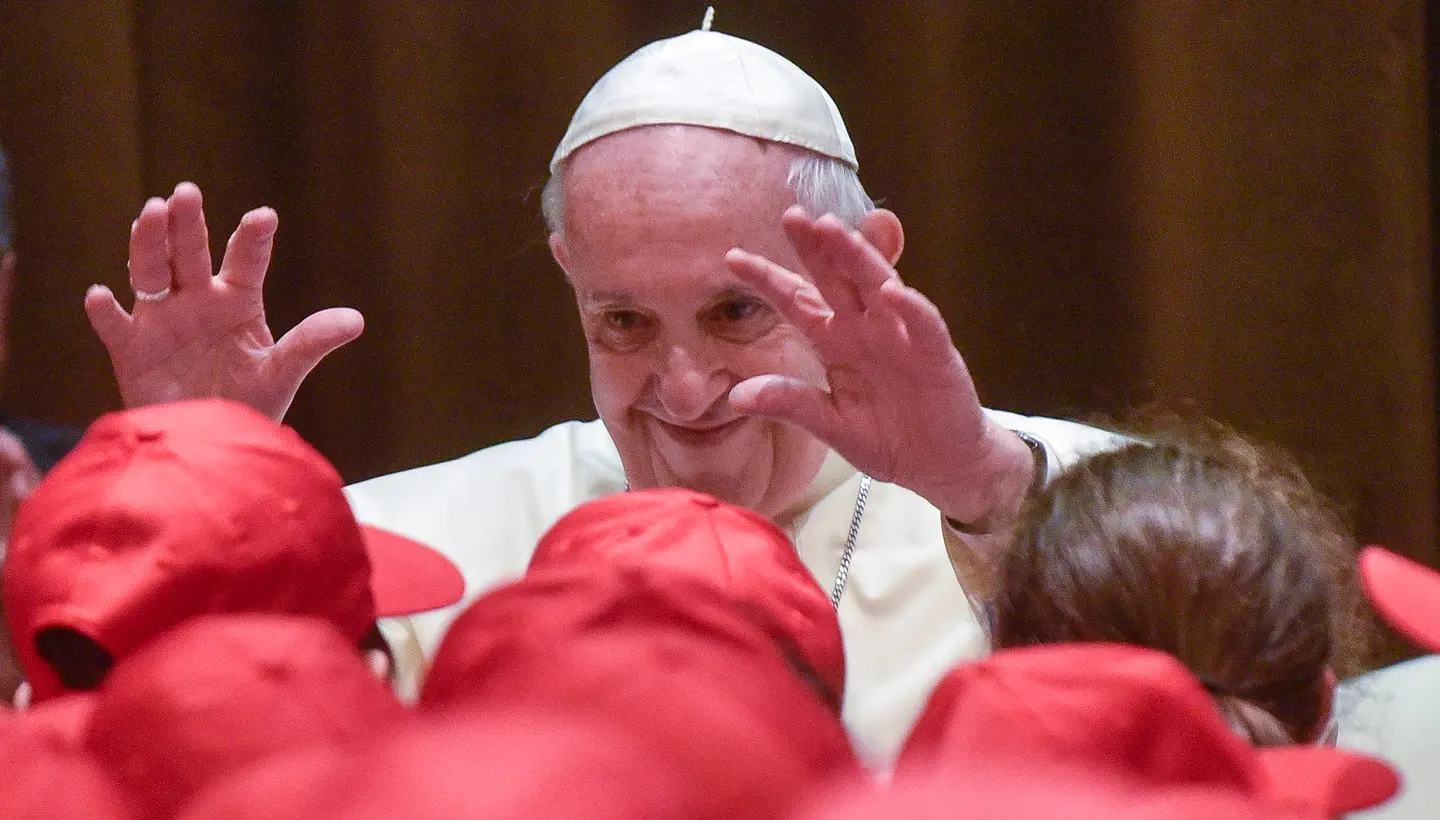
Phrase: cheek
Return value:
(616, 381)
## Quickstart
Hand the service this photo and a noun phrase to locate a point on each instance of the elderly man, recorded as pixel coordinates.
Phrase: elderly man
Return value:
(748, 337)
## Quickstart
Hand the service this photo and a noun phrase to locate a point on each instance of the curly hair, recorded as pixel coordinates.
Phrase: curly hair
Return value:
(1203, 544)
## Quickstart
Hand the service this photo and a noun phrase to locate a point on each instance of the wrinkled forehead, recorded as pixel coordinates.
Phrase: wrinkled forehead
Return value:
(668, 172)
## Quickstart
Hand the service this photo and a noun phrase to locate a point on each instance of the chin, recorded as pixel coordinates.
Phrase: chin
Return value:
(742, 471)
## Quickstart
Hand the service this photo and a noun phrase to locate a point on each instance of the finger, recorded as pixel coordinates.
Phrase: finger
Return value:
(819, 262)
(110, 321)
(320, 334)
(149, 247)
(789, 292)
(840, 257)
(924, 325)
(790, 400)
(189, 239)
(247, 256)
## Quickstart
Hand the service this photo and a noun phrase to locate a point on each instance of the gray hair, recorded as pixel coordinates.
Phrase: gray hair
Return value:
(821, 184)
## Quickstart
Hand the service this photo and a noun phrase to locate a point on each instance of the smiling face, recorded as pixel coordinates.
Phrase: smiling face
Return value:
(649, 215)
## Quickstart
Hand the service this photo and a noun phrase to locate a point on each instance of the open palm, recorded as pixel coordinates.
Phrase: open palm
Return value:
(901, 404)
(192, 334)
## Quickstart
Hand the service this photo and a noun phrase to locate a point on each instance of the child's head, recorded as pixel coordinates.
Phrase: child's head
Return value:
(1205, 546)
(172, 511)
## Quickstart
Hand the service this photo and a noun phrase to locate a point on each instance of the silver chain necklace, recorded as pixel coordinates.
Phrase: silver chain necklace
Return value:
(842, 575)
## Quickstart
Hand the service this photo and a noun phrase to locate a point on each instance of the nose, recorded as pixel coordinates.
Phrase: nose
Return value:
(690, 385)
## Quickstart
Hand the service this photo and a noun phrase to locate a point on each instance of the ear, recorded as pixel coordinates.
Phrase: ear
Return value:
(882, 229)
(560, 252)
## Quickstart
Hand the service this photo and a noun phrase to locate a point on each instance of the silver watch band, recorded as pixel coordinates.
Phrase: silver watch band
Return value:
(1042, 461)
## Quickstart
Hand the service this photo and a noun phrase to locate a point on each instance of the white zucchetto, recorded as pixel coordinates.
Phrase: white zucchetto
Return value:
(714, 80)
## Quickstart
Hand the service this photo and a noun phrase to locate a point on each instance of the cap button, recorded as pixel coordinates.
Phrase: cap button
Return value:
(149, 435)
(707, 501)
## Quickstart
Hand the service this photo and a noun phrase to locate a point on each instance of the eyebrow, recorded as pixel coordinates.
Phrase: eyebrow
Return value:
(620, 298)
(608, 297)
(734, 292)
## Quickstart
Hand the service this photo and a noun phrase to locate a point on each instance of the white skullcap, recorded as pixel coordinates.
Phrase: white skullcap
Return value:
(711, 79)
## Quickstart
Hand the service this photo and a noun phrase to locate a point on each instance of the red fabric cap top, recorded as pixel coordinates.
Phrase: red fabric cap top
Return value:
(1124, 713)
(516, 765)
(1042, 793)
(166, 512)
(1406, 593)
(220, 692)
(65, 718)
(734, 548)
(46, 778)
(669, 660)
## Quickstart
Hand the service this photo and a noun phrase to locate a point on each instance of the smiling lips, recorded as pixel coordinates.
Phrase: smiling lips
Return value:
(692, 436)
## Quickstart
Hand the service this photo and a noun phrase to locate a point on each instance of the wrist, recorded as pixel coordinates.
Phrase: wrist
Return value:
(1019, 475)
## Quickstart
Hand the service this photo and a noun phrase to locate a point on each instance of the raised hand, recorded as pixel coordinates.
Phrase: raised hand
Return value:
(192, 334)
(901, 404)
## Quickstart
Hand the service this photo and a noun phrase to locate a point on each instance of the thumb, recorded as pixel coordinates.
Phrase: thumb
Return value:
(110, 321)
(320, 334)
(790, 400)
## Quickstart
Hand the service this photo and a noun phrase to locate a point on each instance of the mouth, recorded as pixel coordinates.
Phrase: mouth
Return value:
(700, 436)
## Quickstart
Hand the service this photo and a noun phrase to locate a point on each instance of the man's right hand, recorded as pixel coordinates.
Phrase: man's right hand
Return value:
(207, 336)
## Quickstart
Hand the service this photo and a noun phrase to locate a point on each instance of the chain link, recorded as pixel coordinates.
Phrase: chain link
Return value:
(842, 576)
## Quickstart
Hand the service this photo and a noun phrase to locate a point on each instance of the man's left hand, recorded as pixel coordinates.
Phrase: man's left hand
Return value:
(901, 404)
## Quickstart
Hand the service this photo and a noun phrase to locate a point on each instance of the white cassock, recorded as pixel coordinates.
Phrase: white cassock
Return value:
(904, 617)
(1394, 713)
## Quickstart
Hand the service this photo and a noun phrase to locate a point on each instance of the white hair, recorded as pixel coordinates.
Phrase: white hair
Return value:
(822, 185)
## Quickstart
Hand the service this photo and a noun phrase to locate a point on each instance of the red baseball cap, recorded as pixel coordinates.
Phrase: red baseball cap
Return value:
(1406, 594)
(1129, 714)
(219, 692)
(1027, 793)
(670, 660)
(170, 511)
(553, 604)
(516, 764)
(46, 778)
(736, 549)
(65, 718)
(290, 783)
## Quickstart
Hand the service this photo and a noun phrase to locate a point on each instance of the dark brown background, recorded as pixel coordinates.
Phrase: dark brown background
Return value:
(1224, 202)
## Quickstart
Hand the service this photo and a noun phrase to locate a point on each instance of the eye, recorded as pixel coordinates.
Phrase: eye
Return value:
(740, 319)
(622, 320)
(622, 329)
(735, 310)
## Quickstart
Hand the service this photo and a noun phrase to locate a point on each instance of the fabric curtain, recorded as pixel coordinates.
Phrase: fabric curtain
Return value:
(1221, 203)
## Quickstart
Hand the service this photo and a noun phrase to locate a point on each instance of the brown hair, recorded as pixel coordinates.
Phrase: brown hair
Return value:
(1204, 545)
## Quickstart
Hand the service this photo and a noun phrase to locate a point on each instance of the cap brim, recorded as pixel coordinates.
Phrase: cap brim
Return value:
(1406, 593)
(1337, 781)
(407, 577)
